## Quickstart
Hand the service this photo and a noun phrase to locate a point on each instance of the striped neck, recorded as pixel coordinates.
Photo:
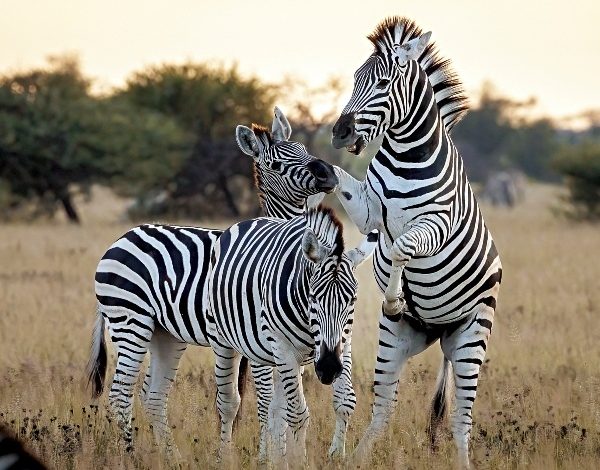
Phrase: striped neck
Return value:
(418, 136)
(273, 206)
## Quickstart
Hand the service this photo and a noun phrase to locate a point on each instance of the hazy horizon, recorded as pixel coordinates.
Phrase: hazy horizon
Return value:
(534, 49)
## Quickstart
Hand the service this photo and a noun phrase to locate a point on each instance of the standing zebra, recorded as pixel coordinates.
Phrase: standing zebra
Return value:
(151, 282)
(436, 262)
(282, 293)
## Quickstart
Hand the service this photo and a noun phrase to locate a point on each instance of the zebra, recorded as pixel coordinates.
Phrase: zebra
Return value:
(13, 456)
(436, 261)
(282, 294)
(150, 283)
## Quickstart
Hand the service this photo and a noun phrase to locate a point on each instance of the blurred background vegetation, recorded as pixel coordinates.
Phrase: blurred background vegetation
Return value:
(166, 140)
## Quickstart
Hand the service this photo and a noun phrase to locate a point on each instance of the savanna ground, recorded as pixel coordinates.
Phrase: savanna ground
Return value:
(538, 404)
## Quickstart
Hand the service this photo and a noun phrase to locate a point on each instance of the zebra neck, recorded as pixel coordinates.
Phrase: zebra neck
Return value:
(420, 138)
(275, 207)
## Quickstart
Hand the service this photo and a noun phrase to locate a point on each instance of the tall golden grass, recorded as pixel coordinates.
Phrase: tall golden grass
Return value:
(538, 402)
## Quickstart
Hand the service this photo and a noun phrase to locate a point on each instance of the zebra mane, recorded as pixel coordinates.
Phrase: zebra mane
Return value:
(327, 227)
(264, 136)
(449, 91)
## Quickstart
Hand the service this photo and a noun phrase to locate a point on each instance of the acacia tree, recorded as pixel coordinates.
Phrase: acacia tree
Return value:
(208, 102)
(57, 139)
(580, 166)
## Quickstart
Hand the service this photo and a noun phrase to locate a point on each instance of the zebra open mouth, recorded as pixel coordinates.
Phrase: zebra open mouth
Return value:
(357, 146)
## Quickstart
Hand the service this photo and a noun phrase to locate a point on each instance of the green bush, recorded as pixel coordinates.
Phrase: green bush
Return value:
(580, 166)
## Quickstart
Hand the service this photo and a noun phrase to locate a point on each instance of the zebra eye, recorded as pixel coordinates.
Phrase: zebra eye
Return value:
(382, 84)
(276, 166)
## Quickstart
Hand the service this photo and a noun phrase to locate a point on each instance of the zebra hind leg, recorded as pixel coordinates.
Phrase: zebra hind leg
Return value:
(165, 353)
(227, 362)
(398, 341)
(131, 342)
(344, 402)
(466, 349)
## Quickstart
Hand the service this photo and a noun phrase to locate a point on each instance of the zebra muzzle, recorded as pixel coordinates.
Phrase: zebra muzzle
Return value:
(329, 366)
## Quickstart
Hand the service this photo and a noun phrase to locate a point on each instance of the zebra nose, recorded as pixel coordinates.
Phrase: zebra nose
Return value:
(343, 131)
(324, 174)
(329, 366)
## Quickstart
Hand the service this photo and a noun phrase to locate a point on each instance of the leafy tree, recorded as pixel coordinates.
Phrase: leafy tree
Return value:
(56, 139)
(497, 135)
(208, 102)
(580, 165)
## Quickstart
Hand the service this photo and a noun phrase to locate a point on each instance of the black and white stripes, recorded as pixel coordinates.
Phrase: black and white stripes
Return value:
(151, 283)
(436, 261)
(282, 294)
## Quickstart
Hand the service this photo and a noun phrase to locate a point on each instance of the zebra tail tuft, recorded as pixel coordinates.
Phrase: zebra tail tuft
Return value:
(241, 383)
(440, 400)
(96, 368)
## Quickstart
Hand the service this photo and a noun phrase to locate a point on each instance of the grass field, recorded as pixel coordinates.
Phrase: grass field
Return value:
(538, 402)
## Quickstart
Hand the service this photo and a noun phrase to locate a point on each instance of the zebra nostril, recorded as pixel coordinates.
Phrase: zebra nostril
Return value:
(345, 134)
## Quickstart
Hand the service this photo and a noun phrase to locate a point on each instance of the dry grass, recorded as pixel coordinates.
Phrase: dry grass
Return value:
(537, 407)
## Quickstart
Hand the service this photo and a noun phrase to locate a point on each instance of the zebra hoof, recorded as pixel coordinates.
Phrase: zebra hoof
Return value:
(336, 453)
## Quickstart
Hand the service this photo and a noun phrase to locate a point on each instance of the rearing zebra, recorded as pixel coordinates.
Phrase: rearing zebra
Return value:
(436, 263)
(282, 293)
(151, 282)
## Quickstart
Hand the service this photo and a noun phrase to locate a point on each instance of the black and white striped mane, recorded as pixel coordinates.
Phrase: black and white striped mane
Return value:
(264, 136)
(449, 91)
(327, 227)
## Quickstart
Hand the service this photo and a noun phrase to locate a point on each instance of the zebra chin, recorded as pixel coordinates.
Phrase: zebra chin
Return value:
(329, 366)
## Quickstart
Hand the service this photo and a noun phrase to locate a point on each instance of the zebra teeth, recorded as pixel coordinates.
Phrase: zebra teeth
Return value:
(351, 148)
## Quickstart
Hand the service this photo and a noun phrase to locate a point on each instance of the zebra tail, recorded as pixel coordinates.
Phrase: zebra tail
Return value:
(440, 399)
(96, 367)
(242, 381)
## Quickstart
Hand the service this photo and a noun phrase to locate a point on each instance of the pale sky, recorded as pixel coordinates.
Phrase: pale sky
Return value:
(546, 49)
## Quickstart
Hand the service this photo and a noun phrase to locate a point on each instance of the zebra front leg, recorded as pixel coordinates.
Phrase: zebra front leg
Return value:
(352, 194)
(297, 417)
(424, 238)
(227, 362)
(466, 349)
(165, 353)
(263, 382)
(398, 341)
(344, 402)
(394, 303)
(277, 425)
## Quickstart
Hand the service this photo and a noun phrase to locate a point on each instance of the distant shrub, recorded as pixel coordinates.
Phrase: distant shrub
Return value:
(580, 166)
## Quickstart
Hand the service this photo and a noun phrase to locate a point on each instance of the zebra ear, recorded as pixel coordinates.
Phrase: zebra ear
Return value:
(363, 251)
(281, 128)
(412, 50)
(246, 141)
(312, 248)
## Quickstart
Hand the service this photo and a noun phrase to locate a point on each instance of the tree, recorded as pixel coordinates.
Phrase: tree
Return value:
(208, 102)
(580, 166)
(497, 134)
(56, 139)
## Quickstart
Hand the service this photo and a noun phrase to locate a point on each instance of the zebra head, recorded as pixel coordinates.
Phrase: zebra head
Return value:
(285, 172)
(332, 289)
(383, 86)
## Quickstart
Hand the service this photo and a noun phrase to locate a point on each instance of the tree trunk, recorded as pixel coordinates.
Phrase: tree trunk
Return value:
(228, 196)
(72, 215)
